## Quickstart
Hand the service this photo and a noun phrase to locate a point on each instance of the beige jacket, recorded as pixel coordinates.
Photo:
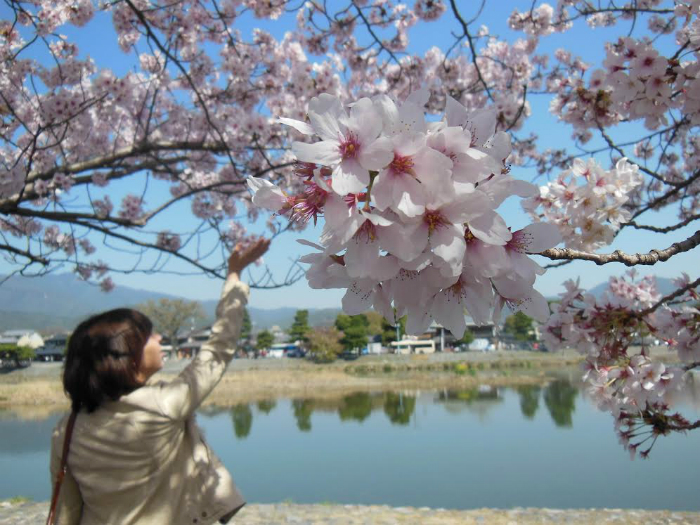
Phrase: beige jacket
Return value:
(142, 459)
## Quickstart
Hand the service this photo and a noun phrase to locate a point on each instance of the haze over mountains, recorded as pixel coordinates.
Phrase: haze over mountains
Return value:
(59, 301)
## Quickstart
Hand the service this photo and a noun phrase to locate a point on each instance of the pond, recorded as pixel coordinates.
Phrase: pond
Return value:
(482, 447)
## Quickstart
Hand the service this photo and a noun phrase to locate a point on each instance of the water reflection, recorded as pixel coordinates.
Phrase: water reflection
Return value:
(266, 406)
(560, 399)
(356, 407)
(399, 407)
(242, 419)
(303, 408)
(529, 400)
(478, 400)
(520, 429)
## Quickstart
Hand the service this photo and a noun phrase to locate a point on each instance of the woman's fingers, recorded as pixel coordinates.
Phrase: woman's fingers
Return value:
(242, 256)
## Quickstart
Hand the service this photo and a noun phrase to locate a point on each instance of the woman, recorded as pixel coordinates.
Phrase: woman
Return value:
(136, 455)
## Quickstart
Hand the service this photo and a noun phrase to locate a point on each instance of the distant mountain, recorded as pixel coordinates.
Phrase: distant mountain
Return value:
(664, 285)
(59, 301)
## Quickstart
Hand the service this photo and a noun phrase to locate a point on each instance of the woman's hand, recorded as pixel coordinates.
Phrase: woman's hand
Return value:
(243, 256)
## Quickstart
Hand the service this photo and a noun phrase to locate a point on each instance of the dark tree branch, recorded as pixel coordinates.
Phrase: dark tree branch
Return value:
(647, 259)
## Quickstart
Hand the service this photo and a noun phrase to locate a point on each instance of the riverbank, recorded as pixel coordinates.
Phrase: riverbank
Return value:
(285, 513)
(38, 388)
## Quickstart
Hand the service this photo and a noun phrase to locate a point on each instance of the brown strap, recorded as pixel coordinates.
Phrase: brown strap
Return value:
(61, 471)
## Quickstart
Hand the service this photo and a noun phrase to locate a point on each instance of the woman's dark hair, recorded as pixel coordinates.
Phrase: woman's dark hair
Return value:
(103, 357)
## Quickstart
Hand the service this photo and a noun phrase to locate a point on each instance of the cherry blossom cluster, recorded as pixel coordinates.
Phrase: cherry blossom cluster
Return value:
(586, 202)
(634, 388)
(409, 208)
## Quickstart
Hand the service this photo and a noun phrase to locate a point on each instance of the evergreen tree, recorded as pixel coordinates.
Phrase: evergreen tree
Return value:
(354, 330)
(265, 339)
(300, 327)
(520, 327)
(247, 326)
(389, 331)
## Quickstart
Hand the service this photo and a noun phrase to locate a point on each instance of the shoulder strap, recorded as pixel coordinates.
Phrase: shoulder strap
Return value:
(61, 471)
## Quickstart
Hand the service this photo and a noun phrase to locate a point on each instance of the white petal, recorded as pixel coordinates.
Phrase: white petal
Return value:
(388, 111)
(408, 196)
(490, 228)
(365, 121)
(449, 312)
(382, 301)
(539, 236)
(361, 257)
(324, 113)
(482, 124)
(455, 112)
(478, 298)
(376, 155)
(266, 195)
(358, 298)
(419, 97)
(448, 244)
(535, 306)
(350, 177)
(498, 146)
(302, 127)
(325, 152)
(419, 318)
(376, 219)
(385, 268)
(309, 243)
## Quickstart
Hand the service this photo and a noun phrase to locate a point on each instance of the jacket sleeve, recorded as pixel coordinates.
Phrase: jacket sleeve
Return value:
(70, 503)
(178, 399)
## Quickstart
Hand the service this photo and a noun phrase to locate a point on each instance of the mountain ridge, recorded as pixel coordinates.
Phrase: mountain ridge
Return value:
(60, 301)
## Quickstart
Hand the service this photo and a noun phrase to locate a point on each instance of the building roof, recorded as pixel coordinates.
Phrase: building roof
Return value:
(17, 333)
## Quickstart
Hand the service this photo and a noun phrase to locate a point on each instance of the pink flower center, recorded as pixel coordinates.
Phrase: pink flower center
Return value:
(349, 146)
(401, 165)
(434, 219)
(310, 204)
(366, 232)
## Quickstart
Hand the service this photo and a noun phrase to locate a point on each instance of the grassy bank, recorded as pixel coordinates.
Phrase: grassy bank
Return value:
(39, 389)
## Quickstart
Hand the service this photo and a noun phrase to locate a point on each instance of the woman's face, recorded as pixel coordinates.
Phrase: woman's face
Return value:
(152, 359)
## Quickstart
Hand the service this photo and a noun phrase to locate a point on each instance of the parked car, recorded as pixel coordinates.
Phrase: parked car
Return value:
(296, 352)
(349, 355)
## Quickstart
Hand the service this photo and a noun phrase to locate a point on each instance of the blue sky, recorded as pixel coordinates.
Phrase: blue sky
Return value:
(285, 249)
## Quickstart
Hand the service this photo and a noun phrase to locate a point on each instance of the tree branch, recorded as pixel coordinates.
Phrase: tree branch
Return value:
(647, 259)
(669, 297)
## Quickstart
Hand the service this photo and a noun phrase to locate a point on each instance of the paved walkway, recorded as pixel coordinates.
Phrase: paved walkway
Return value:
(288, 513)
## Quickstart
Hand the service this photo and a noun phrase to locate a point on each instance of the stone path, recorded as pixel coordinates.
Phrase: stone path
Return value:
(289, 513)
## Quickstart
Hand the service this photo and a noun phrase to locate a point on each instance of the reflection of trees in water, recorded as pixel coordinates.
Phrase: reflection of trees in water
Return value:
(303, 408)
(399, 407)
(242, 418)
(529, 400)
(479, 400)
(266, 405)
(560, 398)
(356, 407)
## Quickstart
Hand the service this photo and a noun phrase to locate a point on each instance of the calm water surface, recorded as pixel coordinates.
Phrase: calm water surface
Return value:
(486, 447)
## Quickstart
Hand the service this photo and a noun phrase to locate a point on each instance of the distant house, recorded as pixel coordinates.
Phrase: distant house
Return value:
(54, 348)
(414, 346)
(22, 338)
(190, 343)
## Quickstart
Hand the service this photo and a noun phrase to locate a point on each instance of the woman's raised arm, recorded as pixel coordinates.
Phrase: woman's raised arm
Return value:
(181, 397)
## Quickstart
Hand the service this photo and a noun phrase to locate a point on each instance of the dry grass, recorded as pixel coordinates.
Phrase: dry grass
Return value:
(42, 396)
